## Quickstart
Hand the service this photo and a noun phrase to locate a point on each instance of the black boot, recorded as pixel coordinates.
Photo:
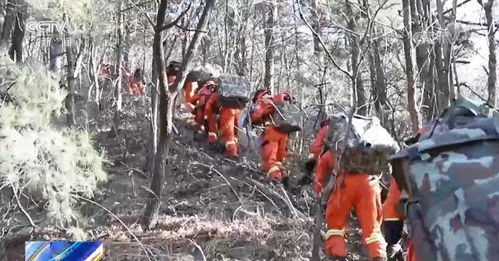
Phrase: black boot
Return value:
(305, 179)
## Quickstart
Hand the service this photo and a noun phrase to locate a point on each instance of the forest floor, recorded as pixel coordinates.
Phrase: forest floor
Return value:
(213, 208)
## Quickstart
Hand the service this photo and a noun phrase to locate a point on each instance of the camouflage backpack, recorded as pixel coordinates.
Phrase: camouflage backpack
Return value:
(234, 91)
(287, 117)
(452, 179)
(367, 146)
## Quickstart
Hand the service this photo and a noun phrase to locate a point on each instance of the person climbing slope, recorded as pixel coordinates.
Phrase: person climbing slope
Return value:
(274, 140)
(199, 101)
(194, 81)
(172, 72)
(136, 85)
(363, 146)
(226, 103)
(353, 190)
(316, 149)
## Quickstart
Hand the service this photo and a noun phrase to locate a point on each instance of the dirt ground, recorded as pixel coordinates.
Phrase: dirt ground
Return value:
(213, 208)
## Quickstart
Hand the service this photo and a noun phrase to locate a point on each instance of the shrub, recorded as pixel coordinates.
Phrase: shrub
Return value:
(37, 156)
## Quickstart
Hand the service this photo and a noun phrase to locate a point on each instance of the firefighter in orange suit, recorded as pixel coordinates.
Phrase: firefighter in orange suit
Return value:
(352, 190)
(226, 125)
(262, 104)
(172, 72)
(199, 101)
(274, 141)
(136, 87)
(190, 87)
(316, 149)
(393, 223)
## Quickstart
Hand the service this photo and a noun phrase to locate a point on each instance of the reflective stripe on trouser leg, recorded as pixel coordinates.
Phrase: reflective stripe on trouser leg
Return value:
(230, 142)
(335, 232)
(212, 134)
(374, 237)
(272, 170)
(311, 156)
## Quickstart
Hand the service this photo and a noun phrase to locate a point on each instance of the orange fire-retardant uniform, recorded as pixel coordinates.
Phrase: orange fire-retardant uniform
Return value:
(274, 152)
(411, 251)
(263, 108)
(274, 141)
(136, 88)
(393, 220)
(199, 100)
(317, 146)
(390, 209)
(226, 124)
(189, 92)
(360, 191)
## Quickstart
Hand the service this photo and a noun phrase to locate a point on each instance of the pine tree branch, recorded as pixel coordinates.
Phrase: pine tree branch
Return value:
(22, 208)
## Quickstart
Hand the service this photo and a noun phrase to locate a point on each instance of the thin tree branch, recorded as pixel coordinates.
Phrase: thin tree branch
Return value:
(142, 4)
(189, 29)
(146, 15)
(174, 23)
(321, 42)
(117, 218)
(459, 5)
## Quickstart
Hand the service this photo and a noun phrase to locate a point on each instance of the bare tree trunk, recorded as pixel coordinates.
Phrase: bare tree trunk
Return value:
(9, 21)
(119, 60)
(355, 60)
(317, 28)
(378, 83)
(150, 215)
(409, 66)
(241, 46)
(56, 51)
(423, 59)
(441, 48)
(268, 81)
(153, 140)
(492, 79)
(16, 48)
(167, 96)
(70, 102)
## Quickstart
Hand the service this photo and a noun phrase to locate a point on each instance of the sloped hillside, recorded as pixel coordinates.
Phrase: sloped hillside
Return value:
(213, 208)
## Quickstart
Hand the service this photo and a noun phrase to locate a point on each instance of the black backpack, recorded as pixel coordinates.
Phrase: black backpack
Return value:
(234, 91)
(287, 117)
(201, 77)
